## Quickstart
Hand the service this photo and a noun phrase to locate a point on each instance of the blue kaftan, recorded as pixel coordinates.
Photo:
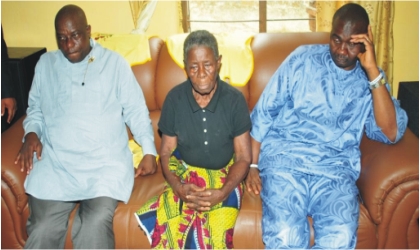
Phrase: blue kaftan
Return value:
(310, 119)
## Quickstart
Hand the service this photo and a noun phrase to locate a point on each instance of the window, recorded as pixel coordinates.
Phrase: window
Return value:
(248, 16)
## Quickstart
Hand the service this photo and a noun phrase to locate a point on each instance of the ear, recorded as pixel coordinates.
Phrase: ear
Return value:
(219, 62)
(88, 30)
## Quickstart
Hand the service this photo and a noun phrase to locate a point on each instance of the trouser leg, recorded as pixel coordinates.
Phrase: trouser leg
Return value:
(93, 224)
(284, 219)
(47, 223)
(335, 211)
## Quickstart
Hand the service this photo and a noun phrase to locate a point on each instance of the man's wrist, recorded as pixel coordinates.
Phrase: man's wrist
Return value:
(377, 82)
(31, 134)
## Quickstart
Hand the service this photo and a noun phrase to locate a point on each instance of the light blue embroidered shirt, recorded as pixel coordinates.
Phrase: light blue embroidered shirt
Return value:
(83, 127)
(312, 114)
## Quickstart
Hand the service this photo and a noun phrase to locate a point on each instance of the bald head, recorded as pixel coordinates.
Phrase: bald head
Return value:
(71, 12)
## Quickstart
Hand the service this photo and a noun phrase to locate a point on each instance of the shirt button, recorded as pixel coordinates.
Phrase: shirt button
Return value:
(205, 143)
(204, 110)
(204, 119)
(205, 130)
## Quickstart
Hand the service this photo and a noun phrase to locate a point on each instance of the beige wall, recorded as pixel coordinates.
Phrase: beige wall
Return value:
(31, 24)
(406, 42)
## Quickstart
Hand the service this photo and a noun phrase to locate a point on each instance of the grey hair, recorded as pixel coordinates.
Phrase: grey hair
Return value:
(200, 38)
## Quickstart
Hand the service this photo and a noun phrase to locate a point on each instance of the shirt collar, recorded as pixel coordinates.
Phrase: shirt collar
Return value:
(213, 102)
(92, 54)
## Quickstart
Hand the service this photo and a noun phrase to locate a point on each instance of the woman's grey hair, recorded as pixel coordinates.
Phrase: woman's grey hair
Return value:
(200, 38)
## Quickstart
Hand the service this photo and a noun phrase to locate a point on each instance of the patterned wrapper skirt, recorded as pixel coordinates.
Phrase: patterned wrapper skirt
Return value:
(168, 223)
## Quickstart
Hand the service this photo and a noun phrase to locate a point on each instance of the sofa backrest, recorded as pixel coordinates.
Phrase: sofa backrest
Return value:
(158, 76)
(146, 73)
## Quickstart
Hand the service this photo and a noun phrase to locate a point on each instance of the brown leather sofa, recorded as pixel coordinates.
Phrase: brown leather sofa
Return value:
(388, 184)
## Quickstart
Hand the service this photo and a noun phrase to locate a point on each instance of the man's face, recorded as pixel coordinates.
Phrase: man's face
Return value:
(73, 38)
(343, 52)
(202, 68)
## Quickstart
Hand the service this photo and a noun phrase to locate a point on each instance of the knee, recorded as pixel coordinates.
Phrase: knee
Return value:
(343, 237)
(100, 217)
(43, 231)
(287, 237)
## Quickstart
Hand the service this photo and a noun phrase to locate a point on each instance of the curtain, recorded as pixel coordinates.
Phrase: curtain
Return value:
(381, 15)
(180, 28)
(142, 12)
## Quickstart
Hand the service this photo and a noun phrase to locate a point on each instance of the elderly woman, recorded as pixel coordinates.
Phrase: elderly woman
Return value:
(205, 156)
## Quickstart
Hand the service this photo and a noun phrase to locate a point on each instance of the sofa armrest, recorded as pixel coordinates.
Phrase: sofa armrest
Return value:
(14, 198)
(11, 141)
(388, 185)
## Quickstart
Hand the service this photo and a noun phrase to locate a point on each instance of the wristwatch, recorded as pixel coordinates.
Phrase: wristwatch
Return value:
(377, 82)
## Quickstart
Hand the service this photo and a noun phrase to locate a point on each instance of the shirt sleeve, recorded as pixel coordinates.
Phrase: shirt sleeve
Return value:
(167, 117)
(271, 101)
(241, 118)
(135, 111)
(34, 121)
(374, 132)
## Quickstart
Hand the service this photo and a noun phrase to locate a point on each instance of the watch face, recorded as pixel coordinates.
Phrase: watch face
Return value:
(377, 84)
(382, 81)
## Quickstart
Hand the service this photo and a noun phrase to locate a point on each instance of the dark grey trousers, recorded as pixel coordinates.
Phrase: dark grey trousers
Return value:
(92, 226)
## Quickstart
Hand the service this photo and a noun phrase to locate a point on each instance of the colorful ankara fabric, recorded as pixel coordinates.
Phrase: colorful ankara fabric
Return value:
(168, 223)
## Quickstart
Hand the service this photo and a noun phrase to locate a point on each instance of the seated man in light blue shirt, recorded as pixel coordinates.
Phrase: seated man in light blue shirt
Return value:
(75, 148)
(307, 127)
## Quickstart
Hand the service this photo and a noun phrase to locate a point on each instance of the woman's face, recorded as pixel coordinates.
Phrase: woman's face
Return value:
(202, 68)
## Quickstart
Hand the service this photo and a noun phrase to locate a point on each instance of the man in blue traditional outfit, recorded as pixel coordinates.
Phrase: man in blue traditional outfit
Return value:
(75, 148)
(307, 127)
